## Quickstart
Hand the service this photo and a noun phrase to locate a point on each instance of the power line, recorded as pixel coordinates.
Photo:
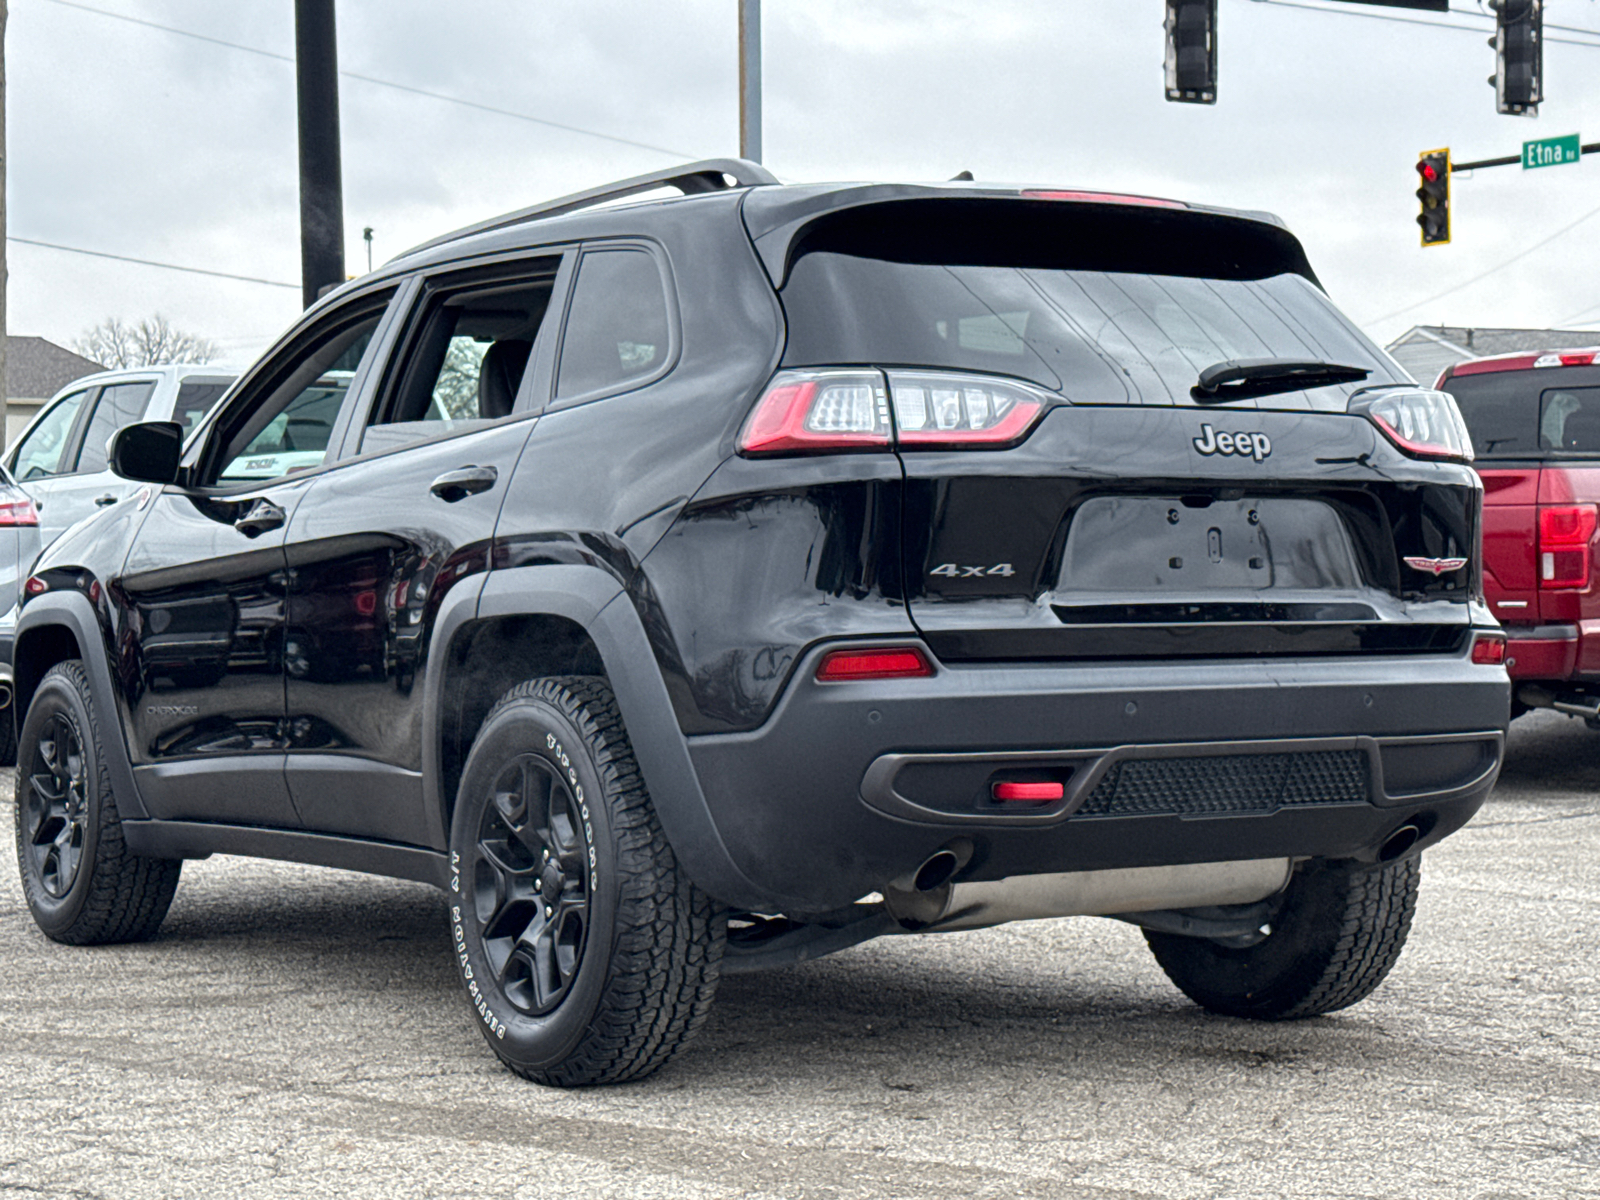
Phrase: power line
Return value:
(1450, 291)
(150, 262)
(374, 80)
(1376, 16)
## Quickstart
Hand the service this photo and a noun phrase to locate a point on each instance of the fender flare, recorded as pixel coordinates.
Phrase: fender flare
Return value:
(72, 611)
(593, 598)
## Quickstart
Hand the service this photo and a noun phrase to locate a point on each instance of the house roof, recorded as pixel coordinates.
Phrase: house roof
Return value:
(1471, 342)
(37, 368)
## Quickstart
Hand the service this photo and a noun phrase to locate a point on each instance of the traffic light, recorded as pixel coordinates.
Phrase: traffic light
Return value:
(1518, 44)
(1433, 167)
(1192, 51)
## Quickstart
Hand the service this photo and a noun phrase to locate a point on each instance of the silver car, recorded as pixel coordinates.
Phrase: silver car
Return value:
(60, 459)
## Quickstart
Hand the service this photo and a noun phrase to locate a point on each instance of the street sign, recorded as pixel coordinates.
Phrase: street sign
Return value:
(1550, 152)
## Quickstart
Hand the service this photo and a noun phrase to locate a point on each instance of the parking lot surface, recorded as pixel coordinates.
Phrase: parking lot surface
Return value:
(297, 1031)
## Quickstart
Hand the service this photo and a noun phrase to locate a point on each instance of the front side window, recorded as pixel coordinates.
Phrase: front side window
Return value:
(119, 404)
(286, 427)
(39, 454)
(618, 328)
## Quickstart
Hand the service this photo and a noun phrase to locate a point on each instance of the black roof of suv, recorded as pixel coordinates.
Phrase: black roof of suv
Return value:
(696, 585)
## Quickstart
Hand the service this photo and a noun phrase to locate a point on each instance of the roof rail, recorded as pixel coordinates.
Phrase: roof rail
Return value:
(707, 175)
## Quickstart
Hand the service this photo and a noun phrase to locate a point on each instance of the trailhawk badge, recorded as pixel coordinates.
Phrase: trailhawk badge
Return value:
(1435, 566)
(1249, 445)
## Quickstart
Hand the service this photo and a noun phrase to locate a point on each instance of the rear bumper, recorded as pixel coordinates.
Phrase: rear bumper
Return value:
(847, 786)
(1542, 652)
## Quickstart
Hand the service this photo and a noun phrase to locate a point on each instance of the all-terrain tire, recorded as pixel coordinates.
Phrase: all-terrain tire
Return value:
(1339, 930)
(587, 954)
(82, 885)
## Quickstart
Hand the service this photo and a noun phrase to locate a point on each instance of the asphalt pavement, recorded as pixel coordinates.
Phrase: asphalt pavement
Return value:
(301, 1032)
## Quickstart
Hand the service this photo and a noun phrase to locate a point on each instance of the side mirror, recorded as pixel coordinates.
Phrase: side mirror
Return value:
(146, 453)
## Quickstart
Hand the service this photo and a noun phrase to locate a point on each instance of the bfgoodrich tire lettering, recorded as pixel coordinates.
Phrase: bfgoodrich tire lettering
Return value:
(588, 957)
(1340, 929)
(81, 884)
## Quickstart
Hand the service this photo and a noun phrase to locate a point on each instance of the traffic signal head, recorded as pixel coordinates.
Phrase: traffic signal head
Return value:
(1433, 170)
(1518, 43)
(1192, 51)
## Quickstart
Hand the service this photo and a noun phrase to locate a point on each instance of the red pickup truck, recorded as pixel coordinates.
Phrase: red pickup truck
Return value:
(1535, 422)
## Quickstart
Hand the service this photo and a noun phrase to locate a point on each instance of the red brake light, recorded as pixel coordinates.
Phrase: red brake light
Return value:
(35, 586)
(819, 410)
(1489, 650)
(1101, 198)
(1028, 793)
(900, 662)
(18, 512)
(1565, 532)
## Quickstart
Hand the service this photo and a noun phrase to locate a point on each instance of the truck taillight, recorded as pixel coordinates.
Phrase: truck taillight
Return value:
(1421, 422)
(838, 410)
(1565, 533)
(18, 512)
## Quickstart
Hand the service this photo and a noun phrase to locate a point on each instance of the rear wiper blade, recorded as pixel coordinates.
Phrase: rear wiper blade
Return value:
(1244, 378)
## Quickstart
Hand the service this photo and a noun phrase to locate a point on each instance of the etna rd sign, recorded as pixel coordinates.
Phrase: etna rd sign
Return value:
(1550, 152)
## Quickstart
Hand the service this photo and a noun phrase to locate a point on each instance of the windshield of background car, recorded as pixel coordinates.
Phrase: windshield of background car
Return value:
(1111, 304)
(1530, 414)
(195, 398)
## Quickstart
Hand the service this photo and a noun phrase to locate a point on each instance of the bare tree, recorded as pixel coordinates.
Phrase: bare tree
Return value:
(153, 341)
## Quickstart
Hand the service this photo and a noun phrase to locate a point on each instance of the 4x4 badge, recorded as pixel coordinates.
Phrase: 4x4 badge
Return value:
(1435, 566)
(1250, 445)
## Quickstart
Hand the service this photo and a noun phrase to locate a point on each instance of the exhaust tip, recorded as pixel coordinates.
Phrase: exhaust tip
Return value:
(5, 695)
(936, 872)
(1399, 842)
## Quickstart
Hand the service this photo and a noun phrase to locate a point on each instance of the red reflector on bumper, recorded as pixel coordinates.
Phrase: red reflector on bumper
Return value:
(1029, 793)
(903, 662)
(1489, 651)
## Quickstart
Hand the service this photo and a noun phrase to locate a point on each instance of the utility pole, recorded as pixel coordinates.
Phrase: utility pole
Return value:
(4, 278)
(321, 188)
(750, 80)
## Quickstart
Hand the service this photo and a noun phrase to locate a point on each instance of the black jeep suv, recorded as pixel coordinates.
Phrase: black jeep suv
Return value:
(714, 582)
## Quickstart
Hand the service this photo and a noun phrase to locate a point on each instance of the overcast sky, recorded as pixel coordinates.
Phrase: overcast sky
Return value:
(142, 142)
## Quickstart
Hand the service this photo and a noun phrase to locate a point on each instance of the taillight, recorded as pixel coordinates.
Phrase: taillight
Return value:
(1572, 358)
(18, 512)
(1101, 198)
(875, 662)
(1013, 792)
(819, 410)
(1420, 421)
(833, 410)
(943, 409)
(1565, 532)
(1489, 650)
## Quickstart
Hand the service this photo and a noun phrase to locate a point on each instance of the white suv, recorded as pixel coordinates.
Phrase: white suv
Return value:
(60, 459)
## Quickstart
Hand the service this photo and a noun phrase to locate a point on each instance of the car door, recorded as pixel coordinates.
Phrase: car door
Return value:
(204, 591)
(38, 459)
(384, 537)
(85, 484)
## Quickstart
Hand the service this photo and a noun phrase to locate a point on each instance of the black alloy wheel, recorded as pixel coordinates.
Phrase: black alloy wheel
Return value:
(55, 816)
(530, 885)
(587, 954)
(82, 884)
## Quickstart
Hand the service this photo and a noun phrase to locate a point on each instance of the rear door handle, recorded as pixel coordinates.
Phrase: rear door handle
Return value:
(258, 518)
(463, 482)
(105, 501)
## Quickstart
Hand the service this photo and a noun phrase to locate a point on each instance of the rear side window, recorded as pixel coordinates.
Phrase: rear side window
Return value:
(618, 326)
(120, 404)
(1531, 414)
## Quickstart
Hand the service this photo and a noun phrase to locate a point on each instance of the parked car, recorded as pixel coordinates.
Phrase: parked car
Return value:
(60, 459)
(19, 546)
(711, 583)
(1535, 422)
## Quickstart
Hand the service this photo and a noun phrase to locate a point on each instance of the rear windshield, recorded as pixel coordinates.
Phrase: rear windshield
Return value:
(1534, 414)
(1099, 337)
